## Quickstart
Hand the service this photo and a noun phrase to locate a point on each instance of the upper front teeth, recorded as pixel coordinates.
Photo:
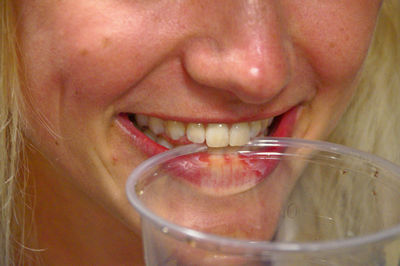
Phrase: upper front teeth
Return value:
(217, 135)
(214, 134)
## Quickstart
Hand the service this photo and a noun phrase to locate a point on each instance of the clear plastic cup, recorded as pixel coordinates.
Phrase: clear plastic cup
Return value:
(275, 201)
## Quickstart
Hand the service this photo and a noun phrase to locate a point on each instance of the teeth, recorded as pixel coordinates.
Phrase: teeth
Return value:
(156, 125)
(150, 134)
(164, 143)
(264, 126)
(269, 121)
(217, 135)
(239, 134)
(142, 120)
(175, 130)
(255, 128)
(195, 132)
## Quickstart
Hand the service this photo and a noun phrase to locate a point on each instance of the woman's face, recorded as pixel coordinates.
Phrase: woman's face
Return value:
(90, 66)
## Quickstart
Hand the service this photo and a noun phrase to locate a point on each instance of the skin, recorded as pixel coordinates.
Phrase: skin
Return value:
(226, 61)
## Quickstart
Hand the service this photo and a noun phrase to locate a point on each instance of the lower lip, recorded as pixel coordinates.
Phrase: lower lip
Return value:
(213, 173)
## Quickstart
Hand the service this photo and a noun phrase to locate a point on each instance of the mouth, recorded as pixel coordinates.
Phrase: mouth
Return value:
(216, 135)
(215, 174)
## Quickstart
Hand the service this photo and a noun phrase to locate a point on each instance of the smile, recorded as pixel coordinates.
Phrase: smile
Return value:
(211, 174)
(170, 133)
(153, 135)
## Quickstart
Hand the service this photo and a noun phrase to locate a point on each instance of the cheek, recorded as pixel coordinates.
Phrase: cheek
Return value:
(333, 35)
(95, 64)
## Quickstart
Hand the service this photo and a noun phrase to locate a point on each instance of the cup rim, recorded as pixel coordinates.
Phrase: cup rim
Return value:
(177, 231)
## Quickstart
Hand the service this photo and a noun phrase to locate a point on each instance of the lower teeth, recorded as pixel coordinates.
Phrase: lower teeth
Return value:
(164, 142)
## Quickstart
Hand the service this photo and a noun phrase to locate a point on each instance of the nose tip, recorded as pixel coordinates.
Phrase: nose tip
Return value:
(248, 54)
(256, 79)
(255, 73)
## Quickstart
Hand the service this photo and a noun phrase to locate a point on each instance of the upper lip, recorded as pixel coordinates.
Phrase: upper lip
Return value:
(222, 119)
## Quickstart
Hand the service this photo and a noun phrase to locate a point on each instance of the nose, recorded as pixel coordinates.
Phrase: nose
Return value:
(243, 48)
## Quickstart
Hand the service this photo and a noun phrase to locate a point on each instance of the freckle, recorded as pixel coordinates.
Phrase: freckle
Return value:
(376, 174)
(106, 42)
(84, 52)
(332, 45)
(56, 142)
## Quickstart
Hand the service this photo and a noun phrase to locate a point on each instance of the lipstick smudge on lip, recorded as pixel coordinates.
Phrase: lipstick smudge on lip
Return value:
(217, 174)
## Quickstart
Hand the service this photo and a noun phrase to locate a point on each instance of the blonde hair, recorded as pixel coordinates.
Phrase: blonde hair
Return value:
(371, 123)
(10, 137)
(375, 130)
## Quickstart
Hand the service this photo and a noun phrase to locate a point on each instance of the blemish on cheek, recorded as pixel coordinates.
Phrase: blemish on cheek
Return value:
(114, 159)
(106, 42)
(56, 142)
(84, 52)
